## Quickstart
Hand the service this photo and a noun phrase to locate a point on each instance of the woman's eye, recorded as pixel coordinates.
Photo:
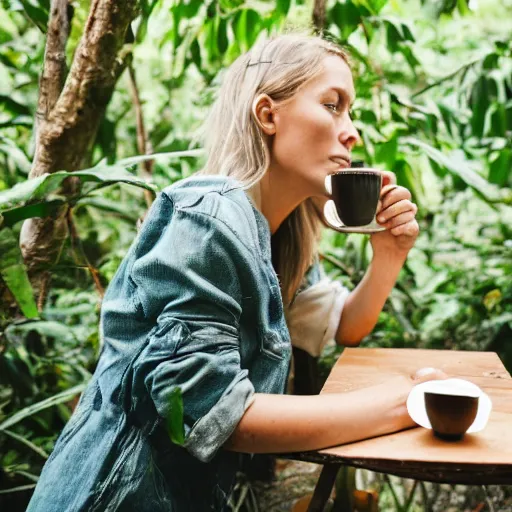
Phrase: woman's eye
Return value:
(332, 107)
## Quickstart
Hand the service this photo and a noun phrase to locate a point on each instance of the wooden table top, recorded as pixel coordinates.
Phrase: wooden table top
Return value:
(480, 458)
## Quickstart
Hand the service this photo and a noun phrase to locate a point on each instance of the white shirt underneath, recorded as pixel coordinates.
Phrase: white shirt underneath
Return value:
(314, 316)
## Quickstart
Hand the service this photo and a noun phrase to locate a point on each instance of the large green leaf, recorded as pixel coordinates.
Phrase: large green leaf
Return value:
(26, 412)
(125, 211)
(48, 328)
(40, 187)
(246, 27)
(190, 8)
(174, 34)
(175, 421)
(8, 29)
(459, 168)
(179, 63)
(195, 54)
(496, 122)
(18, 121)
(27, 443)
(230, 5)
(500, 168)
(37, 13)
(28, 190)
(133, 160)
(106, 140)
(210, 44)
(373, 6)
(386, 153)
(147, 8)
(346, 16)
(407, 176)
(14, 107)
(222, 36)
(42, 209)
(14, 273)
(479, 105)
(9, 148)
(283, 6)
(397, 32)
(32, 198)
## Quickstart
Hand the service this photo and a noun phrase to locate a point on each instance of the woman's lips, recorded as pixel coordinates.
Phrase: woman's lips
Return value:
(341, 161)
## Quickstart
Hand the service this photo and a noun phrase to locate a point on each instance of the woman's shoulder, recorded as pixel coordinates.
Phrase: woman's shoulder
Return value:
(221, 199)
(189, 191)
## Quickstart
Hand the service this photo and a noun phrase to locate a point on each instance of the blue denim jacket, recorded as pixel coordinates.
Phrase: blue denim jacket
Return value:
(195, 304)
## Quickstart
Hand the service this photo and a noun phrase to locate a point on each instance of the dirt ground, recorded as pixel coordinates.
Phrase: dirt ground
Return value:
(295, 481)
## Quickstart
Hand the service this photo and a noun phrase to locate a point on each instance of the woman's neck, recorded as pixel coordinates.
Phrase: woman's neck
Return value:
(278, 197)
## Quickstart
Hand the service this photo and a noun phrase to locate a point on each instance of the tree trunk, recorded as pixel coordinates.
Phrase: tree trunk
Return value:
(319, 15)
(71, 108)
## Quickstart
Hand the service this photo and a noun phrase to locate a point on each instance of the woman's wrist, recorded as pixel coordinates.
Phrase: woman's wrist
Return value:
(389, 256)
(384, 270)
(404, 386)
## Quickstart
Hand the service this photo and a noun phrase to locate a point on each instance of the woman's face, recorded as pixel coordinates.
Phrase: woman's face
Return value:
(314, 134)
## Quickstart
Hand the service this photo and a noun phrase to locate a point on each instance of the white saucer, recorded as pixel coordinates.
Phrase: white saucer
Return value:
(334, 222)
(416, 401)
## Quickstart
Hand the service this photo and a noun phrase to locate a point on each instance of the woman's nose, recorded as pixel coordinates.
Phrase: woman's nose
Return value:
(349, 136)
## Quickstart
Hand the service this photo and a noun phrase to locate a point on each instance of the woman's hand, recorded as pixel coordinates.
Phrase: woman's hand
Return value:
(292, 423)
(426, 374)
(397, 214)
(407, 382)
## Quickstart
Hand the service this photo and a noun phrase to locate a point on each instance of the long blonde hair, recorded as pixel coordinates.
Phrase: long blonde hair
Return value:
(237, 147)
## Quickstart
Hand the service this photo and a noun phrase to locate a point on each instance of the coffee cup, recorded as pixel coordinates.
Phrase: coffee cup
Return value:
(356, 193)
(354, 197)
(451, 413)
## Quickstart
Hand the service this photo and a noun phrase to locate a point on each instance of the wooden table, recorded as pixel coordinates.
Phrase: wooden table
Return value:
(481, 458)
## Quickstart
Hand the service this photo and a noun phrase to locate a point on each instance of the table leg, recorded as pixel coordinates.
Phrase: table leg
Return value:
(323, 487)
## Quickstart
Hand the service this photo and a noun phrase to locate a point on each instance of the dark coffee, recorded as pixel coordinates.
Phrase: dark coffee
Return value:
(450, 415)
(356, 194)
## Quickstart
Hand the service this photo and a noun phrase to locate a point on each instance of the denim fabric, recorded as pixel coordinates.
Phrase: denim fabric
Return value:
(195, 304)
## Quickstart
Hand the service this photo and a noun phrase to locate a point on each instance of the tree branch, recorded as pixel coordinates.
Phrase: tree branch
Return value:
(66, 135)
(74, 120)
(143, 144)
(43, 292)
(319, 15)
(54, 67)
(78, 248)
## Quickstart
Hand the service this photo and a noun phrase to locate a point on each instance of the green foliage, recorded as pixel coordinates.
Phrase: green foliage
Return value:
(36, 11)
(434, 105)
(44, 366)
(42, 187)
(175, 421)
(14, 273)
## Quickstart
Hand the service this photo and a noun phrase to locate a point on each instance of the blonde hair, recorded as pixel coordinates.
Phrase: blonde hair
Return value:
(237, 147)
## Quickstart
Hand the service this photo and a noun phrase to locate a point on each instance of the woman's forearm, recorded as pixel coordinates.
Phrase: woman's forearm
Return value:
(284, 423)
(363, 306)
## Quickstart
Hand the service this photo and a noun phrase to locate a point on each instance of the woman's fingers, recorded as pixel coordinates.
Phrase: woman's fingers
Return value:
(388, 178)
(392, 194)
(411, 229)
(398, 220)
(396, 208)
(426, 374)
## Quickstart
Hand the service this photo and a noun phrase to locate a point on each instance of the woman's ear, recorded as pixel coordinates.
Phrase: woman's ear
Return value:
(263, 109)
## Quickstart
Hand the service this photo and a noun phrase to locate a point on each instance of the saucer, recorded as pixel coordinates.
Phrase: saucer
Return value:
(334, 222)
(416, 401)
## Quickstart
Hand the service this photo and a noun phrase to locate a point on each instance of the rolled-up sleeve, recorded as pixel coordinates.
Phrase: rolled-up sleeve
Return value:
(188, 280)
(313, 317)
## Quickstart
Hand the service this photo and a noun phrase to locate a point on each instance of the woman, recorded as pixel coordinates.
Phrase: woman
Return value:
(197, 308)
